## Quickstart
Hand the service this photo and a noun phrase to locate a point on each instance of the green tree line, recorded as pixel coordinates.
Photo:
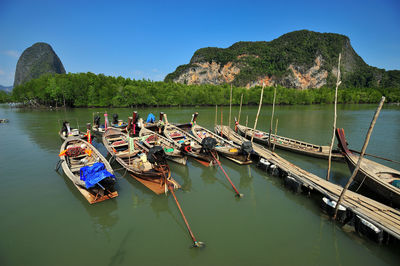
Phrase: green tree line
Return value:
(91, 90)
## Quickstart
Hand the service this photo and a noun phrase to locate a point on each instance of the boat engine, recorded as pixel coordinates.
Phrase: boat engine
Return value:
(246, 148)
(208, 144)
(156, 155)
(66, 129)
(115, 119)
(96, 121)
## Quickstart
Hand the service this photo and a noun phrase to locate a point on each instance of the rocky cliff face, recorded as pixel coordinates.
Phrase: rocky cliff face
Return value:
(35, 61)
(301, 59)
(208, 73)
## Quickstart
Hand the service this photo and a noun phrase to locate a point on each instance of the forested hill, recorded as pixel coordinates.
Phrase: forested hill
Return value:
(300, 59)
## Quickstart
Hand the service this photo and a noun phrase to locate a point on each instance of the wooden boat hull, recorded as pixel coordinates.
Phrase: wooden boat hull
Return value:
(175, 155)
(139, 169)
(375, 176)
(80, 136)
(292, 145)
(228, 150)
(195, 151)
(156, 185)
(91, 195)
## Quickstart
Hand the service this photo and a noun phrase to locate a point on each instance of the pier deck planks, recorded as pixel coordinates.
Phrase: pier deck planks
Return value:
(383, 216)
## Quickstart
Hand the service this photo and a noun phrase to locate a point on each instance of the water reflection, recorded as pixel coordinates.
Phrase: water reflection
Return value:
(181, 171)
(103, 215)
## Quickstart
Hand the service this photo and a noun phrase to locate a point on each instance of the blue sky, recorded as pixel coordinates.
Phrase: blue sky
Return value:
(149, 39)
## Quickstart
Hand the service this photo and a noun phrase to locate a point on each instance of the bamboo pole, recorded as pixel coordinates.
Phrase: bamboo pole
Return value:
(216, 115)
(240, 108)
(258, 112)
(272, 118)
(371, 127)
(230, 108)
(247, 120)
(276, 131)
(221, 120)
(338, 81)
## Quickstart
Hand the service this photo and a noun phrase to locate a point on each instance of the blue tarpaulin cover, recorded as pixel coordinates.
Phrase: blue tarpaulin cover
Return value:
(94, 174)
(396, 183)
(150, 118)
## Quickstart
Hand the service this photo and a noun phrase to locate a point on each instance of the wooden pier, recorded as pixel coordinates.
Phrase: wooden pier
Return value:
(378, 214)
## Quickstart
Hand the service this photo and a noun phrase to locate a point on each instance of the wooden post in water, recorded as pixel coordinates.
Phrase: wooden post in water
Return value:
(221, 120)
(334, 121)
(240, 108)
(216, 115)
(371, 127)
(247, 120)
(258, 112)
(276, 131)
(230, 108)
(272, 119)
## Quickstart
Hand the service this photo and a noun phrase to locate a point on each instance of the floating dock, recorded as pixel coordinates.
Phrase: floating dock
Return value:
(372, 213)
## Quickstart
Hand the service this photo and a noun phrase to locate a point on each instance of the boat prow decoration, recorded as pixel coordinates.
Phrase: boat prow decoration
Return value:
(342, 140)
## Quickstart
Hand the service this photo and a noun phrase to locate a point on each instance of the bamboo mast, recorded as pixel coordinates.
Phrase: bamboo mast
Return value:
(258, 113)
(272, 118)
(338, 81)
(240, 108)
(371, 127)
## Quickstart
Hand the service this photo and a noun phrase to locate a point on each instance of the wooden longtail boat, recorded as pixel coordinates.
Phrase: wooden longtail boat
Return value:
(67, 132)
(189, 145)
(100, 129)
(224, 147)
(288, 143)
(76, 153)
(375, 176)
(172, 151)
(145, 165)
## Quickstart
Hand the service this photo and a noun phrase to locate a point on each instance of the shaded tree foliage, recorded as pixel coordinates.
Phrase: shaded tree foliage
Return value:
(90, 90)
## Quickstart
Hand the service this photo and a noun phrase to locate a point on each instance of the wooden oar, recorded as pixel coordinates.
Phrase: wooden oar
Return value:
(196, 244)
(226, 175)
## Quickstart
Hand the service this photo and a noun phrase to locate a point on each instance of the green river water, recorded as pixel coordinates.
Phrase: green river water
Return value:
(46, 221)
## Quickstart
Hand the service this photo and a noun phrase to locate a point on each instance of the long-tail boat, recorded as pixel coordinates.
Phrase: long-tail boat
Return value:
(148, 166)
(77, 154)
(223, 146)
(116, 123)
(68, 132)
(289, 144)
(189, 145)
(377, 177)
(171, 149)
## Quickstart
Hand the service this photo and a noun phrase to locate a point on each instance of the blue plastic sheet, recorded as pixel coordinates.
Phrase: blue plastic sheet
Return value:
(150, 118)
(94, 174)
(396, 183)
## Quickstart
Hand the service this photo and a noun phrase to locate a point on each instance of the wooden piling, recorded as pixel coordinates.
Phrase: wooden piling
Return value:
(371, 127)
(258, 112)
(230, 108)
(272, 118)
(240, 108)
(276, 132)
(334, 120)
(216, 115)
